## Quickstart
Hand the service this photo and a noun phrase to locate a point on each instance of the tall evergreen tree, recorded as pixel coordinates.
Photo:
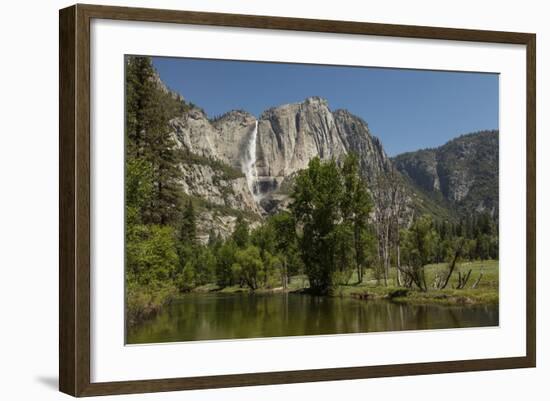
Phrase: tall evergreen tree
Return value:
(241, 233)
(148, 135)
(188, 228)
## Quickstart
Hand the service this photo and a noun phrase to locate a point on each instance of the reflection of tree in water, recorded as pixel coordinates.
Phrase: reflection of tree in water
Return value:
(226, 316)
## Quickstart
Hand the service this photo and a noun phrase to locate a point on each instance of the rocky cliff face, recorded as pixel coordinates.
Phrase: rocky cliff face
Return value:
(292, 134)
(239, 164)
(222, 139)
(282, 142)
(289, 136)
(356, 137)
(212, 168)
(464, 171)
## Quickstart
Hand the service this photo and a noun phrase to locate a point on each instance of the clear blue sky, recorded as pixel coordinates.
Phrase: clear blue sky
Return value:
(406, 109)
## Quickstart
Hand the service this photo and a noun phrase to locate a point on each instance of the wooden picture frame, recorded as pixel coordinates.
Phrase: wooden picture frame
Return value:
(74, 203)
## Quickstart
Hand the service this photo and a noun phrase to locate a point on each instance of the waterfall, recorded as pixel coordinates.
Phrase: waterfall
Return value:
(249, 163)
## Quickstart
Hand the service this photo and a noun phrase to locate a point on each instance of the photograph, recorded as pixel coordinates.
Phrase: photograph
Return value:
(272, 199)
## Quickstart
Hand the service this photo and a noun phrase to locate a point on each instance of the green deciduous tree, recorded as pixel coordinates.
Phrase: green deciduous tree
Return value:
(317, 197)
(186, 279)
(204, 265)
(286, 245)
(225, 259)
(151, 263)
(418, 249)
(151, 253)
(248, 266)
(356, 207)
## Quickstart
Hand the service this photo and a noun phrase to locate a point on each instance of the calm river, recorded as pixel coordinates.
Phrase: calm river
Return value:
(226, 316)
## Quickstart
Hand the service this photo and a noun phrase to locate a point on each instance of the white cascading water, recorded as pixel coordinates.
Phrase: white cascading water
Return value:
(249, 163)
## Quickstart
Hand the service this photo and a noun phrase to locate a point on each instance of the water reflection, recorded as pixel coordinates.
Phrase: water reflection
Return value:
(226, 316)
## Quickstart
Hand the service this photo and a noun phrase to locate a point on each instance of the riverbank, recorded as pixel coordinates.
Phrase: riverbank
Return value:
(485, 293)
(435, 297)
(217, 315)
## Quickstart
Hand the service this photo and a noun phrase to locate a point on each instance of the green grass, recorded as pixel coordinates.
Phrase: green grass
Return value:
(485, 293)
(451, 296)
(297, 283)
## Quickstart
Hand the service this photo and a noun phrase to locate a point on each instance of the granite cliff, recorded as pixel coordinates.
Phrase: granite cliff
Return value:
(463, 173)
(271, 149)
(237, 164)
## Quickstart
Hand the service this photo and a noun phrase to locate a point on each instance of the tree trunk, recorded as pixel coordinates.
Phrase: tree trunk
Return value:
(386, 255)
(425, 288)
(474, 286)
(398, 262)
(452, 265)
(463, 279)
(285, 276)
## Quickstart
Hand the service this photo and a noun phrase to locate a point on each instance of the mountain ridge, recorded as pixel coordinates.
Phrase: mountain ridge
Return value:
(462, 172)
(284, 138)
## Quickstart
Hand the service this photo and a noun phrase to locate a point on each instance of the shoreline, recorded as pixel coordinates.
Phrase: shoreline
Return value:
(446, 297)
(486, 293)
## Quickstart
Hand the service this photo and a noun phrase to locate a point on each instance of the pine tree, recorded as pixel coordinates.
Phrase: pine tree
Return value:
(148, 134)
(188, 228)
(241, 234)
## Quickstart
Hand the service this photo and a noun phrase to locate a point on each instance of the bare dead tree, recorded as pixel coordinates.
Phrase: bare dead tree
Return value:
(382, 223)
(476, 283)
(413, 275)
(463, 279)
(452, 264)
(406, 280)
(399, 214)
(389, 215)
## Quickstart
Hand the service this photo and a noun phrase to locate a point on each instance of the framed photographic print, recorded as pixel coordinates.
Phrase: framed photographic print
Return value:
(297, 200)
